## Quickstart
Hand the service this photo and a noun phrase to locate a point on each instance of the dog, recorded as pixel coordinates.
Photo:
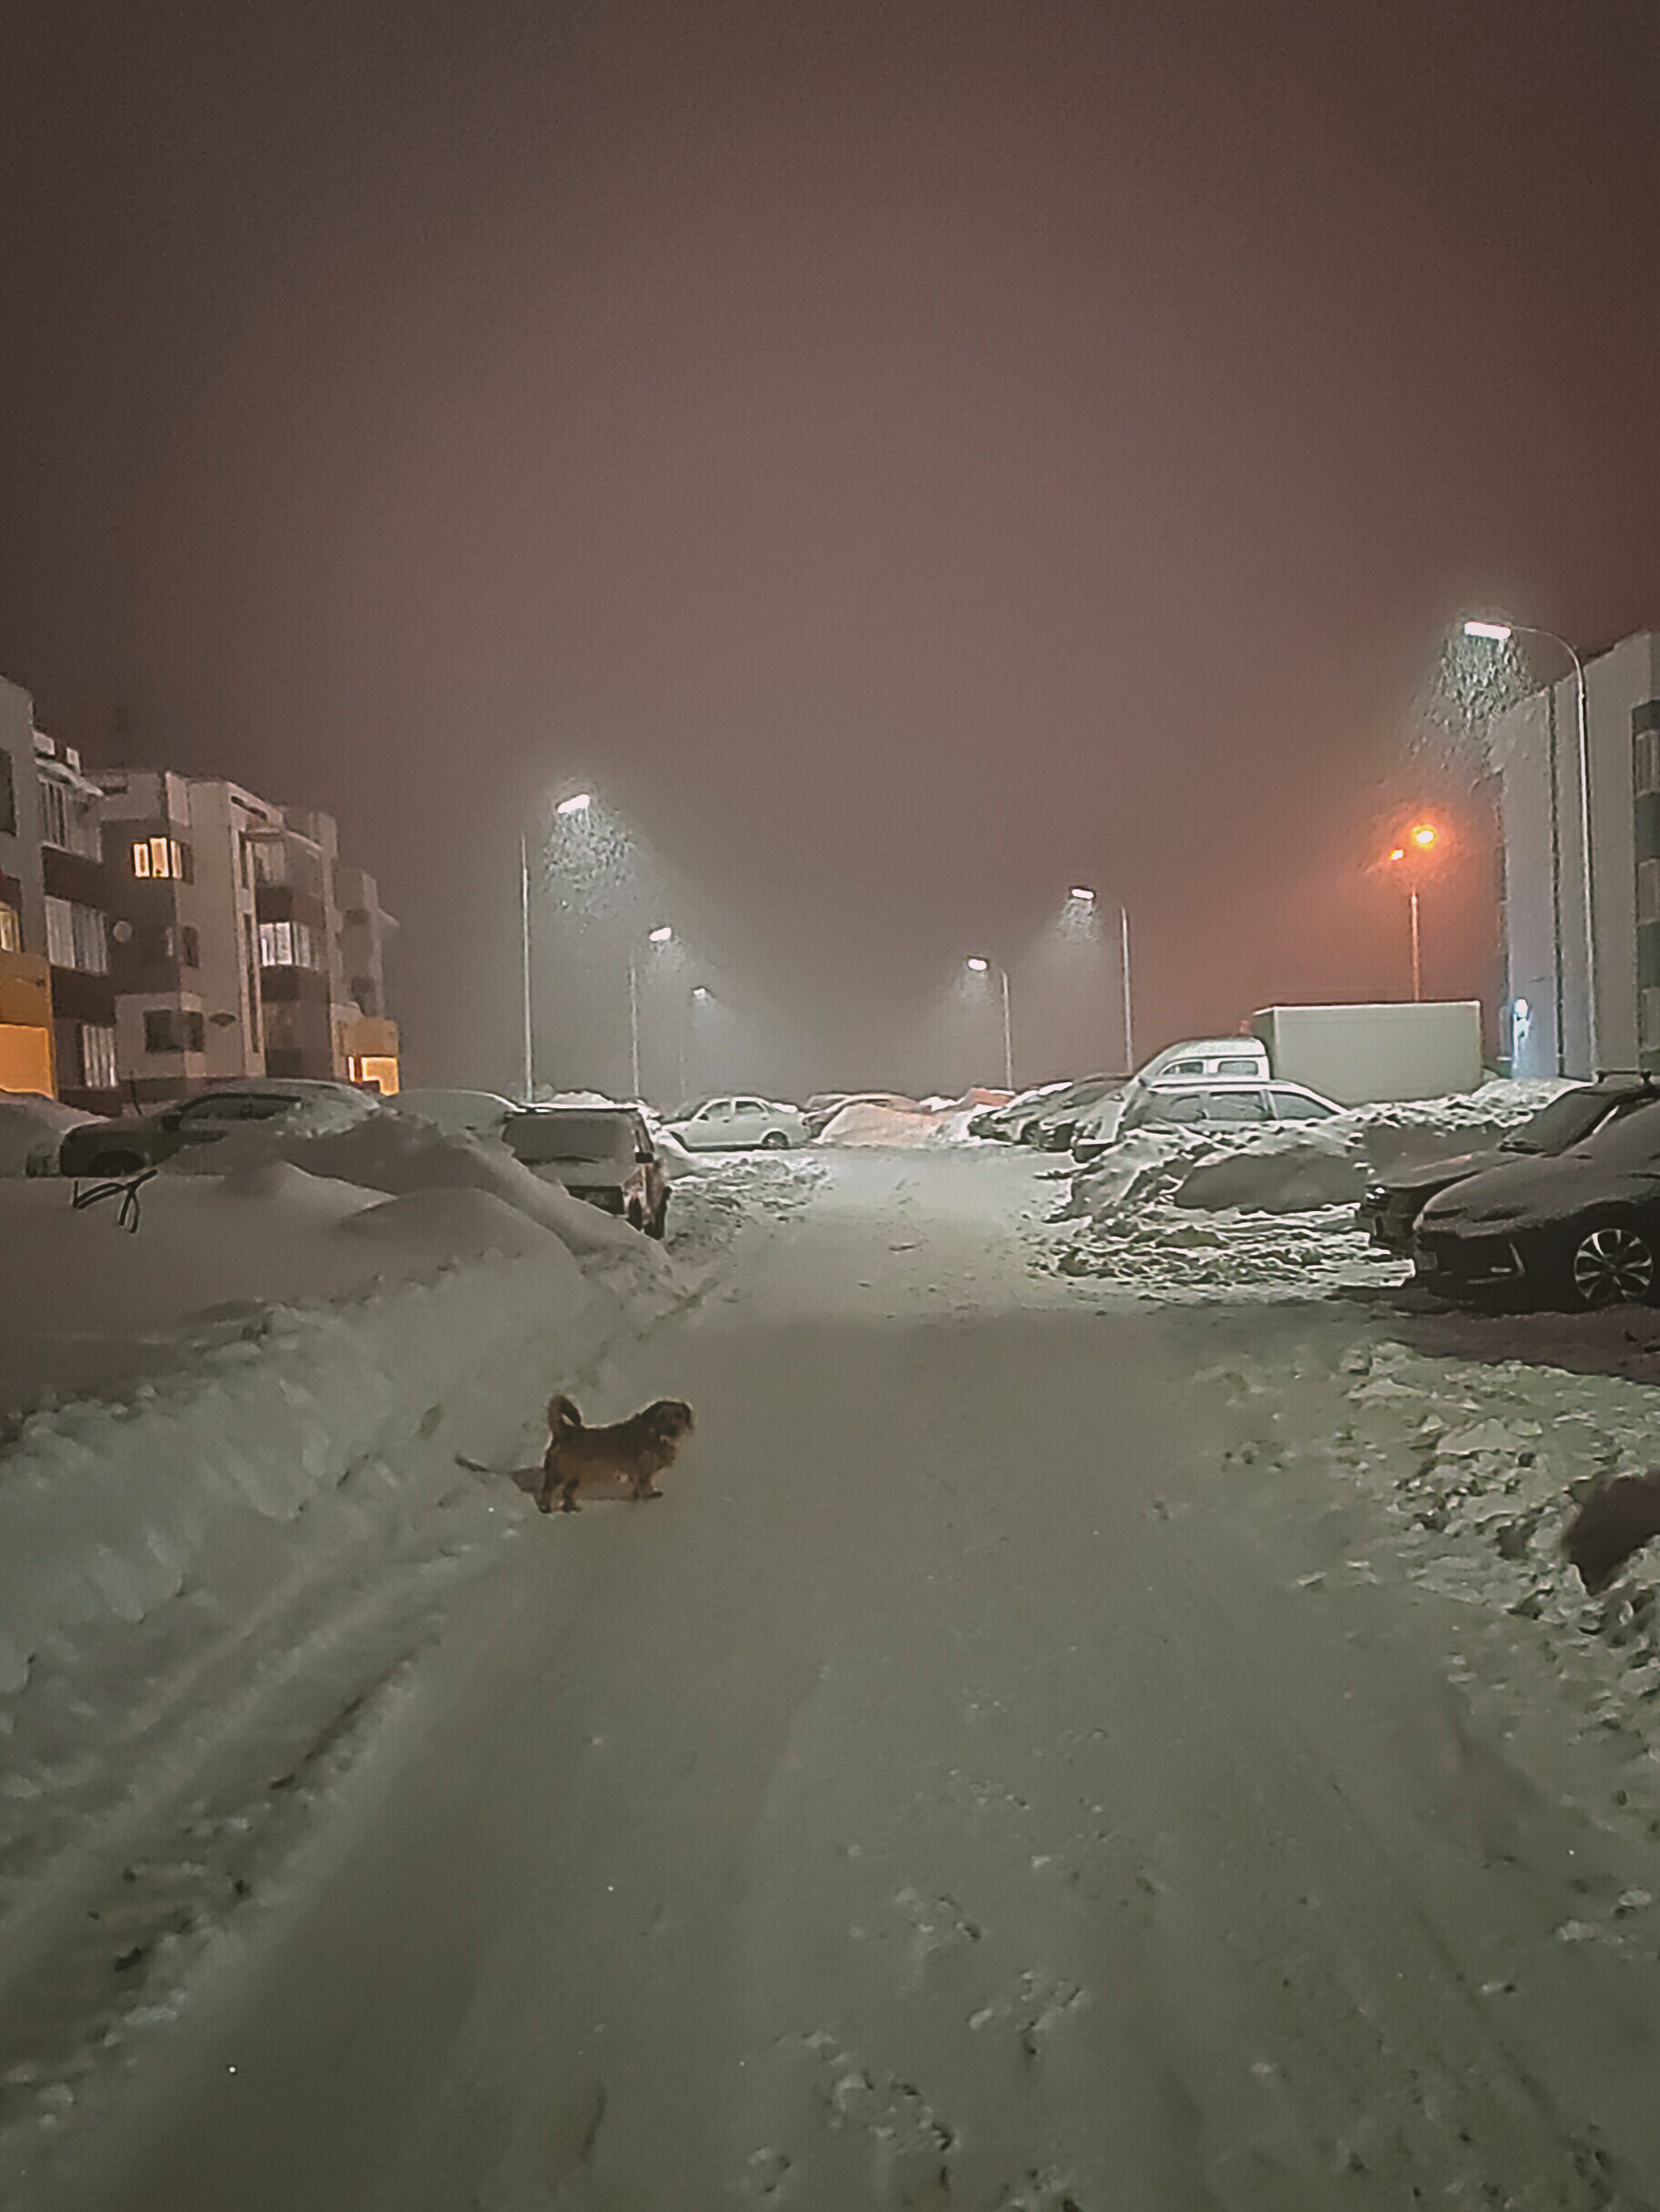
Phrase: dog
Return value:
(1613, 1523)
(635, 1451)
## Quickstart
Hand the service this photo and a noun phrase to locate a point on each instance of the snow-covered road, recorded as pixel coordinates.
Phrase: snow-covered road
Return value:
(1005, 1774)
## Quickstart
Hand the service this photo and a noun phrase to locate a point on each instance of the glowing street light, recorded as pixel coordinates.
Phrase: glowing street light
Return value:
(1080, 895)
(659, 936)
(579, 804)
(977, 966)
(1421, 839)
(1501, 633)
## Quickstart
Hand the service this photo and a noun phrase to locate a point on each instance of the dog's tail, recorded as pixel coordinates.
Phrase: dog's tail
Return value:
(562, 1418)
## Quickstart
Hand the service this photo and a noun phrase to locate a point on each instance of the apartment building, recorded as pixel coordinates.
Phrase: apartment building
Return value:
(27, 1062)
(239, 939)
(1582, 926)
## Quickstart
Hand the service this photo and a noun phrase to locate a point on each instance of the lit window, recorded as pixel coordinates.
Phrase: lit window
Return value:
(11, 930)
(178, 869)
(159, 857)
(141, 857)
(276, 945)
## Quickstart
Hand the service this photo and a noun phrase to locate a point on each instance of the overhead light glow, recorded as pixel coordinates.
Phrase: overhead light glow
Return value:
(1399, 853)
(1500, 632)
(578, 805)
(699, 991)
(660, 936)
(1085, 897)
(1424, 835)
(978, 966)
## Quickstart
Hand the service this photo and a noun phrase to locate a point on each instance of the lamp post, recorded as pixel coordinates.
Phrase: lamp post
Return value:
(664, 935)
(976, 966)
(1085, 898)
(578, 803)
(1501, 633)
(1421, 841)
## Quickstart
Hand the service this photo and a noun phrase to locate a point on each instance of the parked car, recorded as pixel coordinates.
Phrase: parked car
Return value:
(740, 1124)
(134, 1142)
(1203, 1056)
(1579, 1229)
(1389, 1208)
(605, 1154)
(1002, 1121)
(456, 1113)
(1054, 1125)
(818, 1115)
(1230, 1104)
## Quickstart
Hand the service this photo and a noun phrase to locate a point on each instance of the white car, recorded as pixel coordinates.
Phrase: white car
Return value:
(1222, 1103)
(740, 1124)
(456, 1113)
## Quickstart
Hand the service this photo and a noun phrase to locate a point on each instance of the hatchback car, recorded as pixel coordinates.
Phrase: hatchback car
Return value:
(1578, 1230)
(603, 1154)
(740, 1124)
(128, 1146)
(1389, 1208)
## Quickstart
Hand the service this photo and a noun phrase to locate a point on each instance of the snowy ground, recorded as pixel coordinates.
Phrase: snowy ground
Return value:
(1045, 1750)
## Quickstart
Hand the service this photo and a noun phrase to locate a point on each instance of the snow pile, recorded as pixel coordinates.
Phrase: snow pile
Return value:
(1276, 1199)
(31, 1128)
(866, 1123)
(1483, 1468)
(401, 1155)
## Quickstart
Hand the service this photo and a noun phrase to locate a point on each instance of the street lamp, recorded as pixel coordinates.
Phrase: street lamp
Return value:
(663, 935)
(1085, 898)
(1501, 633)
(1421, 839)
(977, 966)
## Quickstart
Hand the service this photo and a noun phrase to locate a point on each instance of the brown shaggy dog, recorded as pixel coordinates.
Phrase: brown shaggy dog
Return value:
(632, 1451)
(1613, 1522)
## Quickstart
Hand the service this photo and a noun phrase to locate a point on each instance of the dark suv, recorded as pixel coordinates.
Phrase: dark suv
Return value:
(1389, 1208)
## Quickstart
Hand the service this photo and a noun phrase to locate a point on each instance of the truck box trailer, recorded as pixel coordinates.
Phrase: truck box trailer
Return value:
(1362, 1055)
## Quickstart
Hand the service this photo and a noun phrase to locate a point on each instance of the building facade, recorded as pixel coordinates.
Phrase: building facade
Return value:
(239, 937)
(1581, 923)
(28, 1060)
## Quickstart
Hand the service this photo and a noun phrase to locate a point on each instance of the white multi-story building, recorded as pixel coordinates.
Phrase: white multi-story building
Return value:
(1580, 944)
(237, 935)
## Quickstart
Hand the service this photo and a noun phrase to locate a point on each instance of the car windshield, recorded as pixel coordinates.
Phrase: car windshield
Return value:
(1632, 1140)
(1562, 1123)
(581, 1136)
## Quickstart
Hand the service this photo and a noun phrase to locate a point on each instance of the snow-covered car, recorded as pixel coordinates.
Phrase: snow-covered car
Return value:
(818, 1115)
(1389, 1208)
(32, 1127)
(133, 1142)
(1579, 1230)
(1000, 1122)
(1226, 1104)
(456, 1113)
(1056, 1123)
(740, 1124)
(605, 1154)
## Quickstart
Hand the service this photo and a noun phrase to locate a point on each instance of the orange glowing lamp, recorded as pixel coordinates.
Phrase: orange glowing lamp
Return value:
(1423, 835)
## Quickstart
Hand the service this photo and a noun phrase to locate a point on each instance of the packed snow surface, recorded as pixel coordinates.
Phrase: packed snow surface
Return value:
(1042, 1751)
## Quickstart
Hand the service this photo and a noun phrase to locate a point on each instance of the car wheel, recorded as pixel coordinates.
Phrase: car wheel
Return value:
(115, 1163)
(1612, 1265)
(775, 1140)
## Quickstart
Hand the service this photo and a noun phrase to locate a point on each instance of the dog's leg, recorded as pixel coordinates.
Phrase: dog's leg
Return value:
(567, 1496)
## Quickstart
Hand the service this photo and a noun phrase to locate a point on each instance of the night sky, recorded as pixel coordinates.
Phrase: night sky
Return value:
(910, 458)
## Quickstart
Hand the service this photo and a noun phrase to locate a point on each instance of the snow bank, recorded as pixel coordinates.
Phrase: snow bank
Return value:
(1273, 1201)
(105, 1509)
(31, 1127)
(399, 1155)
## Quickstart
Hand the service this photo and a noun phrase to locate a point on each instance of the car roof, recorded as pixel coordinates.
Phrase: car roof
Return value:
(1181, 1087)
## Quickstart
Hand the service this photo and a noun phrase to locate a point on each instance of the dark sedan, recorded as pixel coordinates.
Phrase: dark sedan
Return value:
(1389, 1208)
(1579, 1230)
